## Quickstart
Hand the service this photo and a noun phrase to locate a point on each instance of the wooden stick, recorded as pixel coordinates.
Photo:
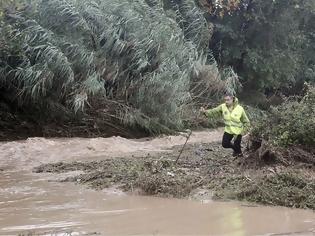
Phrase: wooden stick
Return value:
(181, 151)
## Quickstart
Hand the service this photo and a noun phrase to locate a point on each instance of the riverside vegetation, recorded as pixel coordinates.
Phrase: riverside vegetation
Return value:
(137, 68)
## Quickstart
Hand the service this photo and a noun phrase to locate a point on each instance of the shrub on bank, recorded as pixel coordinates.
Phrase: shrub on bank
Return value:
(291, 123)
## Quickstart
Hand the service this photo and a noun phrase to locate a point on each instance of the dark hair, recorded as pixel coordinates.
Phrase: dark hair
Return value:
(228, 94)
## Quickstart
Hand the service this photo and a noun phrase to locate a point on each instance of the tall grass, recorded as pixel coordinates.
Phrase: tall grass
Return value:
(142, 55)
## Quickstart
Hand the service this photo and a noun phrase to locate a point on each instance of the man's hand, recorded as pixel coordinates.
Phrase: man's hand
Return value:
(246, 136)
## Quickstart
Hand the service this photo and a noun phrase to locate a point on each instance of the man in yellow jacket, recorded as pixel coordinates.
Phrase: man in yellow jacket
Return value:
(235, 120)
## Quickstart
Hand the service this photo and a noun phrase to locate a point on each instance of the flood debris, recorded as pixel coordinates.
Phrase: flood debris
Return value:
(204, 168)
(57, 232)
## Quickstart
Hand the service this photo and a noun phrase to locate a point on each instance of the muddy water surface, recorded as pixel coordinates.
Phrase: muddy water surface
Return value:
(39, 204)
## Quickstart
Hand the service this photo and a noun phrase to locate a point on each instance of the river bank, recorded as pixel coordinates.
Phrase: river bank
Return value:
(95, 186)
(204, 170)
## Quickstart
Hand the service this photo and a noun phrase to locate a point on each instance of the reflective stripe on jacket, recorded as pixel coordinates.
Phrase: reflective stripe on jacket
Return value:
(236, 121)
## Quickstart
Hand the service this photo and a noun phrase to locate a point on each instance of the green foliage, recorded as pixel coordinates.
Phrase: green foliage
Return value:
(79, 54)
(269, 43)
(291, 123)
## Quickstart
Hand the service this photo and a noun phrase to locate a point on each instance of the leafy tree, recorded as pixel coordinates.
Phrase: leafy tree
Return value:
(268, 43)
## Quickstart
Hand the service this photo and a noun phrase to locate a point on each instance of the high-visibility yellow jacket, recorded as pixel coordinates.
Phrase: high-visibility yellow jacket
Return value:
(235, 119)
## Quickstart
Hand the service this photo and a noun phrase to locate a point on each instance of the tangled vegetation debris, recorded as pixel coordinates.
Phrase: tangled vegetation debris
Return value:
(202, 166)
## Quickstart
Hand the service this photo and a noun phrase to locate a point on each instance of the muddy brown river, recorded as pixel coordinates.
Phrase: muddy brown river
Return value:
(37, 204)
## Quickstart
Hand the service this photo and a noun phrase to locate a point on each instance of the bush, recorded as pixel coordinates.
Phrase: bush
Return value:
(292, 123)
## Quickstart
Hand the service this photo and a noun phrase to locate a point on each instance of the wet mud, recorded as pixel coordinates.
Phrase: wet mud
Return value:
(203, 170)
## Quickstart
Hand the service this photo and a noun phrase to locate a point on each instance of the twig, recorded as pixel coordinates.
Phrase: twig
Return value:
(181, 151)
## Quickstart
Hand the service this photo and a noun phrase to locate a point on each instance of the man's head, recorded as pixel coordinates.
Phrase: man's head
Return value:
(229, 99)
